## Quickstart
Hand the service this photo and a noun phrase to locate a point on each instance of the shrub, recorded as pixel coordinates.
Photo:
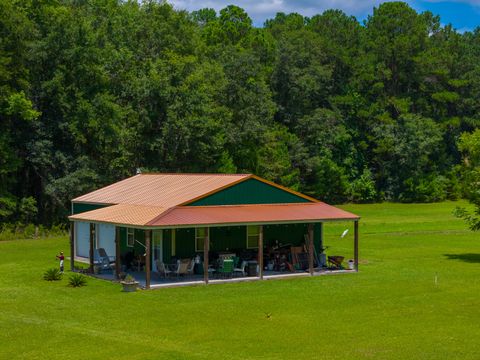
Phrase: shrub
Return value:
(14, 231)
(77, 280)
(53, 274)
(362, 189)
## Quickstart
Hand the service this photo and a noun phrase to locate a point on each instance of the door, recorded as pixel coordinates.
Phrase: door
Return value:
(157, 248)
(82, 239)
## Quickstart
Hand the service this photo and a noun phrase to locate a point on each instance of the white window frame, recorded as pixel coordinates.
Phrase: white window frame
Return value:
(131, 231)
(202, 237)
(249, 234)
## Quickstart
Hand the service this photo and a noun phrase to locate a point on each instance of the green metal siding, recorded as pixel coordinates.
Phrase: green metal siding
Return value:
(291, 234)
(234, 238)
(228, 238)
(250, 191)
(184, 243)
(78, 208)
(167, 245)
(221, 239)
(137, 248)
(231, 238)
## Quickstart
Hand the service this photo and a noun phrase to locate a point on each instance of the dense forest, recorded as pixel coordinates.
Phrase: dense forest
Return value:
(91, 90)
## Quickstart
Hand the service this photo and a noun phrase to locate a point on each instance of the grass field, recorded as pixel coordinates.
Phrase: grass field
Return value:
(391, 309)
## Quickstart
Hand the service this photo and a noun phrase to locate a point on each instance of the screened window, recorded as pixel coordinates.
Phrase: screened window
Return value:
(130, 237)
(200, 234)
(253, 233)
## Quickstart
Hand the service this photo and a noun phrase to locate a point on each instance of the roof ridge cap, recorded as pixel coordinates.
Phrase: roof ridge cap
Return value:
(194, 174)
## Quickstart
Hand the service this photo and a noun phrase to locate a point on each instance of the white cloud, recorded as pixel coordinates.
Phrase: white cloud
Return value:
(259, 10)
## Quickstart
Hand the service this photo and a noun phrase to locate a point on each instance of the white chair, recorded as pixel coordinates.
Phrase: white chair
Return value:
(191, 267)
(182, 268)
(241, 269)
(162, 269)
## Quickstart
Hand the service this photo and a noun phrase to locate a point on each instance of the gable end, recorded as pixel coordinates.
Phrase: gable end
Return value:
(251, 191)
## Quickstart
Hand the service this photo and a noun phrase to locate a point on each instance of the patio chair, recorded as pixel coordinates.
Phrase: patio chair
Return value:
(241, 269)
(162, 269)
(101, 259)
(226, 269)
(182, 268)
(191, 267)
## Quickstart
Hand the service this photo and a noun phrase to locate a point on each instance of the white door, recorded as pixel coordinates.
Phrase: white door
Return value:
(106, 238)
(157, 248)
(82, 239)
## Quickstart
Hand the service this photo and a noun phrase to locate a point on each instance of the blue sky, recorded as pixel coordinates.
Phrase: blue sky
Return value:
(464, 15)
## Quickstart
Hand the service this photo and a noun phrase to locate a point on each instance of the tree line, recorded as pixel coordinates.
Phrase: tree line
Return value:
(338, 109)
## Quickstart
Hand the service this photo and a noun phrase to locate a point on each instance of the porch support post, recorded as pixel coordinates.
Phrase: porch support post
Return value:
(206, 248)
(72, 246)
(118, 263)
(92, 239)
(148, 258)
(355, 245)
(260, 252)
(310, 248)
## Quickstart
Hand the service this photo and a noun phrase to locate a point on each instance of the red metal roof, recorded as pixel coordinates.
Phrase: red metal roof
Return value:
(155, 200)
(214, 215)
(259, 213)
(165, 190)
(121, 214)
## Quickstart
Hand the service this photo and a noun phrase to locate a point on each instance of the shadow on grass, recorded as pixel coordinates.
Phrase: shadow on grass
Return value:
(470, 258)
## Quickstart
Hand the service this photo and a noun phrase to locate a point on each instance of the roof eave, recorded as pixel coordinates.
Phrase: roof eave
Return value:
(184, 226)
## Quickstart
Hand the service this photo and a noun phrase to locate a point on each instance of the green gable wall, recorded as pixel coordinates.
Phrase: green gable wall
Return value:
(250, 191)
(78, 208)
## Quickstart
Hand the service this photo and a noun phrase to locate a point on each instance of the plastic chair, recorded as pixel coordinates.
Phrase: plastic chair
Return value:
(101, 259)
(240, 269)
(182, 268)
(226, 269)
(162, 269)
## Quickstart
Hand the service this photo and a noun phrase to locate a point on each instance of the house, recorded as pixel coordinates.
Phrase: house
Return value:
(157, 219)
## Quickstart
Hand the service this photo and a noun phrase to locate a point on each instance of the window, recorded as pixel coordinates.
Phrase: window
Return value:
(253, 233)
(130, 237)
(200, 234)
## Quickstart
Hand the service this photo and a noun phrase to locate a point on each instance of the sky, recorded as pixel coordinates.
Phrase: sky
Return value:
(464, 15)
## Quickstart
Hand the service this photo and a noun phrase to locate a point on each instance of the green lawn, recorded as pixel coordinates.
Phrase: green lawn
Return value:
(391, 309)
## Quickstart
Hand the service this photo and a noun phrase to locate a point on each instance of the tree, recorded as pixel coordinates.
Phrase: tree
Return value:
(469, 144)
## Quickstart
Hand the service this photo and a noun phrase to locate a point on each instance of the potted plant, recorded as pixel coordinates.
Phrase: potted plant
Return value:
(351, 264)
(129, 284)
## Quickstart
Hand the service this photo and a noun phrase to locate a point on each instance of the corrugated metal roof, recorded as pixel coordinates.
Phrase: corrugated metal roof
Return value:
(259, 213)
(214, 215)
(121, 214)
(164, 190)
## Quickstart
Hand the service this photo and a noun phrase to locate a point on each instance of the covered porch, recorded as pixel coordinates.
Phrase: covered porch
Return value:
(185, 255)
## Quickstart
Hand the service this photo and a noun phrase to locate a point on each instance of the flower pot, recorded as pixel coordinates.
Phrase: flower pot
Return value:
(129, 286)
(351, 264)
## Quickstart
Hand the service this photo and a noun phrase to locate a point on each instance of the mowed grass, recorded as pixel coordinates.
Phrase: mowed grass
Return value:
(392, 309)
